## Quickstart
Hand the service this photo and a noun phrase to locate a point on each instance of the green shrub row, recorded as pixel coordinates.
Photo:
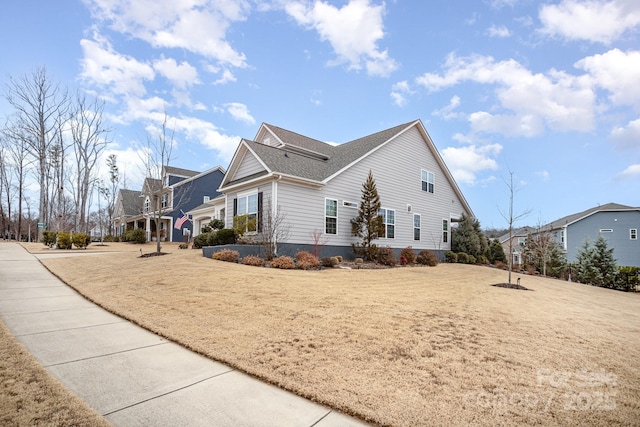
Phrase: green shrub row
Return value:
(225, 236)
(64, 239)
(137, 235)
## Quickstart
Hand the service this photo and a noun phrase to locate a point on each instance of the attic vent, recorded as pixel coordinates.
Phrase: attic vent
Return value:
(266, 141)
(606, 230)
(350, 204)
(409, 209)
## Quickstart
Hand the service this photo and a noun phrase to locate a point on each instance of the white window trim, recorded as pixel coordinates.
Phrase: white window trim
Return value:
(348, 204)
(419, 227)
(633, 234)
(325, 216)
(246, 194)
(386, 223)
(427, 181)
(448, 230)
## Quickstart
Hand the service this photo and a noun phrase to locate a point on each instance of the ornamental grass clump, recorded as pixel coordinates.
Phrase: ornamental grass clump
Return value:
(227, 255)
(253, 260)
(283, 262)
(306, 260)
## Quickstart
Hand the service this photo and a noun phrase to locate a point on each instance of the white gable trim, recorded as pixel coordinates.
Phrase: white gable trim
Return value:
(241, 151)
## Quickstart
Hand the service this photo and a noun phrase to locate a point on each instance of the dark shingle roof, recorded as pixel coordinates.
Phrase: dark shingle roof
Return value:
(317, 168)
(130, 202)
(574, 217)
(170, 170)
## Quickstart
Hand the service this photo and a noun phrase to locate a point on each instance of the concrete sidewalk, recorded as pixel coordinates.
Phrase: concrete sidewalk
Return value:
(128, 374)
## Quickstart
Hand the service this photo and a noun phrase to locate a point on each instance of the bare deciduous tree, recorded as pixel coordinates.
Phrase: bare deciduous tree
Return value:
(274, 228)
(89, 140)
(40, 109)
(511, 219)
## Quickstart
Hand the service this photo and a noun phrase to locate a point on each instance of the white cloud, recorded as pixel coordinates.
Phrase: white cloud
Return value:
(399, 92)
(618, 72)
(447, 111)
(628, 136)
(498, 31)
(240, 112)
(466, 162)
(353, 31)
(106, 68)
(631, 172)
(197, 26)
(544, 174)
(181, 75)
(530, 101)
(600, 21)
(227, 77)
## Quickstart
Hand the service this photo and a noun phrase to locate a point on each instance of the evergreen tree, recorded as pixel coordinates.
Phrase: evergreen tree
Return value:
(468, 237)
(368, 225)
(496, 252)
(595, 264)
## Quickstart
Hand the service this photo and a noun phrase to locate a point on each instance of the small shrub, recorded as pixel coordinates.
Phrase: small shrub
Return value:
(226, 236)
(306, 260)
(501, 265)
(135, 236)
(462, 258)
(483, 260)
(283, 262)
(108, 238)
(403, 260)
(81, 240)
(64, 240)
(183, 246)
(227, 255)
(386, 256)
(471, 259)
(426, 257)
(451, 256)
(329, 261)
(339, 258)
(408, 254)
(49, 238)
(359, 261)
(201, 240)
(253, 260)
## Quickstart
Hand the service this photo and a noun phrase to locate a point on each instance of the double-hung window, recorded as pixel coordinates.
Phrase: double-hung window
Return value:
(633, 233)
(416, 227)
(165, 200)
(428, 181)
(389, 222)
(330, 216)
(248, 205)
(445, 230)
(147, 204)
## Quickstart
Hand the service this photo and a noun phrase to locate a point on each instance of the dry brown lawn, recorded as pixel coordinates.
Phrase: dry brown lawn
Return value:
(404, 347)
(29, 396)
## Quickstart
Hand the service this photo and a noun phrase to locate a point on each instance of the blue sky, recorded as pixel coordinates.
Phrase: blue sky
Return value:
(548, 90)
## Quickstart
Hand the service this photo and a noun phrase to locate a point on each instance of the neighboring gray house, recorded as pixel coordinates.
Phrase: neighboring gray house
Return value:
(317, 188)
(619, 224)
(518, 239)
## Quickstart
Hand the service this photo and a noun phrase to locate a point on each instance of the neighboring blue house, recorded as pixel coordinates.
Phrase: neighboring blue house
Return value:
(182, 190)
(619, 224)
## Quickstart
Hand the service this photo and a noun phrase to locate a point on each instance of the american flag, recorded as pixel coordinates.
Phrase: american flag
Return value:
(180, 221)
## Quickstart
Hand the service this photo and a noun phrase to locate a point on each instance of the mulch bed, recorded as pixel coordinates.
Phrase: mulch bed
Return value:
(150, 254)
(511, 286)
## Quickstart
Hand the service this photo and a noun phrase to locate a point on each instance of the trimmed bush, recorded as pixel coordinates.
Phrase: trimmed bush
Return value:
(482, 260)
(471, 259)
(64, 240)
(426, 257)
(451, 256)
(306, 260)
(226, 255)
(183, 246)
(463, 258)
(49, 238)
(283, 262)
(226, 236)
(81, 240)
(253, 260)
(135, 236)
(329, 261)
(386, 256)
(108, 238)
(201, 240)
(339, 257)
(408, 254)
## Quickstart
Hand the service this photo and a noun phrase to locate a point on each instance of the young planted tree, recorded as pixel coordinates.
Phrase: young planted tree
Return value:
(275, 229)
(511, 219)
(539, 247)
(114, 178)
(368, 225)
(596, 264)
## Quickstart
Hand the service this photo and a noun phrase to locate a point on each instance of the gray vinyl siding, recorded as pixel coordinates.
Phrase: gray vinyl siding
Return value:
(396, 169)
(626, 251)
(248, 166)
(265, 189)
